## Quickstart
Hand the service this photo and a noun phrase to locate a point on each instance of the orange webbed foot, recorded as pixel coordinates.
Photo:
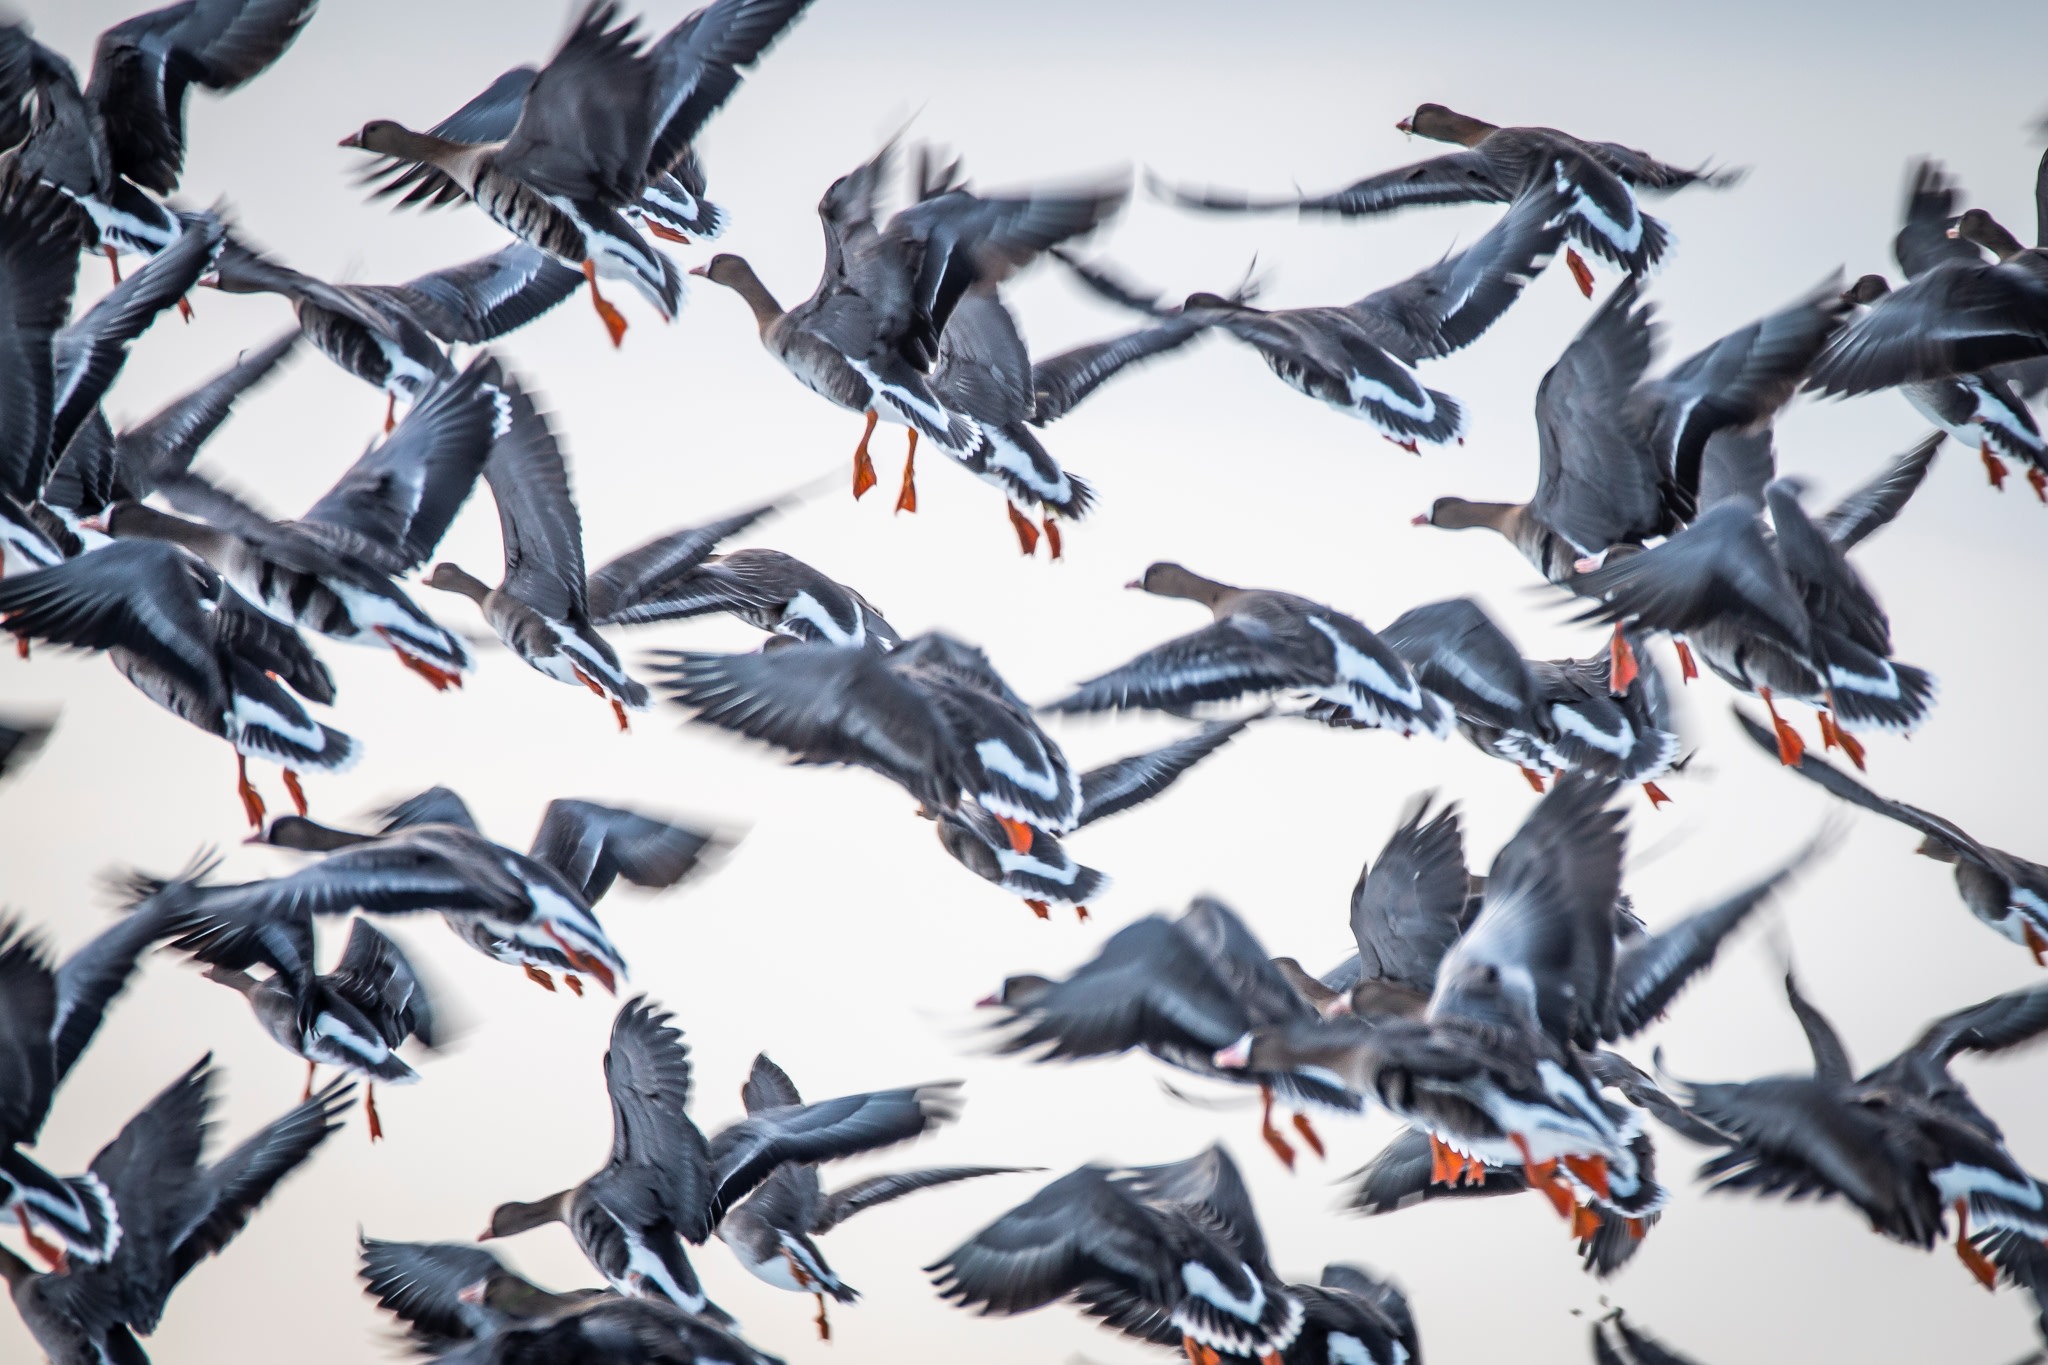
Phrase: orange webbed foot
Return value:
(1974, 1260)
(1687, 669)
(113, 264)
(667, 233)
(1658, 796)
(1444, 1163)
(2038, 481)
(1592, 1173)
(1533, 778)
(1027, 534)
(574, 983)
(1052, 536)
(1791, 748)
(1585, 1222)
(1582, 274)
(540, 978)
(1309, 1135)
(614, 320)
(1039, 908)
(297, 792)
(1020, 833)
(1994, 467)
(824, 1326)
(1851, 746)
(1621, 664)
(1279, 1144)
(906, 496)
(1081, 914)
(252, 800)
(370, 1111)
(2036, 944)
(184, 308)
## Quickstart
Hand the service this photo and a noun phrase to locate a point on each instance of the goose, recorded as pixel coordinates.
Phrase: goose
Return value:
(451, 1292)
(179, 1210)
(1599, 179)
(354, 1017)
(1171, 1254)
(118, 145)
(771, 1232)
(333, 570)
(1045, 874)
(2006, 892)
(608, 115)
(869, 334)
(666, 1183)
(1184, 989)
(191, 644)
(394, 336)
(530, 910)
(1264, 641)
(1904, 1143)
(50, 1014)
(931, 715)
(541, 609)
(1359, 357)
(1621, 456)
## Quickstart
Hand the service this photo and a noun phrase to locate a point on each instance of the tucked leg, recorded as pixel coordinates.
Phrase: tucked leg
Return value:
(1687, 669)
(1281, 1147)
(298, 793)
(252, 800)
(1974, 1260)
(1582, 274)
(1790, 746)
(540, 978)
(370, 1111)
(1994, 467)
(1309, 1134)
(1532, 777)
(52, 1254)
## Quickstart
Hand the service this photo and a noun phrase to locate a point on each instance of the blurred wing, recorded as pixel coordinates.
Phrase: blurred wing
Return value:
(618, 586)
(743, 1154)
(1115, 787)
(593, 845)
(1873, 506)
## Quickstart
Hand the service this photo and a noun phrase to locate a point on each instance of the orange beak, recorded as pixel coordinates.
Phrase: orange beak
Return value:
(352, 140)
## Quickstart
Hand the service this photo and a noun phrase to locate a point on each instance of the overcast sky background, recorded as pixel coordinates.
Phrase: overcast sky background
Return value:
(837, 936)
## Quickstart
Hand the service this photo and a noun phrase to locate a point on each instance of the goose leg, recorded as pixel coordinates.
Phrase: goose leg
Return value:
(614, 320)
(2036, 944)
(1309, 1135)
(906, 499)
(1790, 745)
(574, 983)
(1687, 669)
(1080, 914)
(666, 233)
(1039, 908)
(1027, 534)
(618, 709)
(113, 261)
(390, 412)
(1052, 534)
(298, 793)
(1542, 1176)
(1444, 1164)
(2038, 481)
(1582, 274)
(1533, 778)
(21, 646)
(864, 463)
(1279, 1144)
(540, 978)
(824, 1326)
(370, 1112)
(440, 678)
(1585, 1222)
(1621, 664)
(252, 800)
(1592, 1173)
(1197, 1353)
(1850, 744)
(1994, 467)
(1966, 1250)
(307, 1092)
(584, 961)
(1656, 794)
(1019, 832)
(52, 1254)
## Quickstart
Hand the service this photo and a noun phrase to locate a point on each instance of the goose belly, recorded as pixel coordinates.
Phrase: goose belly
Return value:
(297, 599)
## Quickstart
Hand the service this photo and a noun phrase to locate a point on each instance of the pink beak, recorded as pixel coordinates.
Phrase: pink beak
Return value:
(1134, 583)
(1419, 519)
(352, 140)
(1404, 126)
(703, 271)
(988, 1002)
(1237, 1056)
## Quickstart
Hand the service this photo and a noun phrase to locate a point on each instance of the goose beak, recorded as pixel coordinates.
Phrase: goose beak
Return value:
(1134, 584)
(701, 271)
(988, 1002)
(486, 1235)
(352, 140)
(1237, 1056)
(471, 1293)
(1419, 519)
(1953, 233)
(1405, 126)
(98, 524)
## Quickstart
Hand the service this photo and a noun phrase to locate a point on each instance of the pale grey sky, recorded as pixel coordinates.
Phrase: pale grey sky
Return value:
(838, 937)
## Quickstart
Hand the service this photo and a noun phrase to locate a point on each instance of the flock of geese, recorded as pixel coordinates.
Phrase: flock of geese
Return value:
(1479, 1010)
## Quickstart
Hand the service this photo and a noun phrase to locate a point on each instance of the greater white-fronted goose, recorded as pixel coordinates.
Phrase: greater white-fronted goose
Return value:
(1359, 357)
(1498, 164)
(772, 1231)
(766, 588)
(1183, 989)
(2008, 893)
(448, 1293)
(1980, 410)
(1958, 315)
(531, 910)
(1620, 455)
(1170, 1254)
(178, 1212)
(931, 715)
(596, 1329)
(869, 334)
(49, 1014)
(193, 646)
(333, 571)
(1045, 874)
(1904, 1142)
(609, 115)
(985, 374)
(1265, 642)
(666, 1183)
(120, 142)
(540, 610)
(355, 1017)
(394, 337)
(1350, 1315)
